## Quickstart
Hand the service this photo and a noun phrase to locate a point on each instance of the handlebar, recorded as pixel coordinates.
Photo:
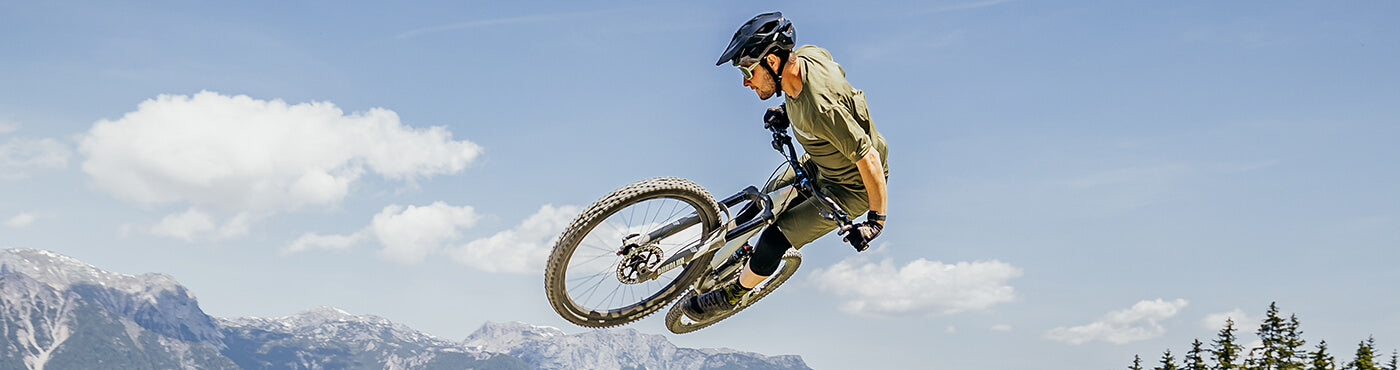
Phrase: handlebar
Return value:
(782, 142)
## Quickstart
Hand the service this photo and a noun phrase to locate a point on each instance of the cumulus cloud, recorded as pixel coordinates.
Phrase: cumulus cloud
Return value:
(187, 225)
(196, 225)
(253, 158)
(20, 221)
(1142, 321)
(410, 234)
(18, 156)
(310, 241)
(406, 234)
(920, 287)
(1216, 321)
(522, 249)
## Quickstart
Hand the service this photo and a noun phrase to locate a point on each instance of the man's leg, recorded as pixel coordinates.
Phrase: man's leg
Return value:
(800, 225)
(766, 257)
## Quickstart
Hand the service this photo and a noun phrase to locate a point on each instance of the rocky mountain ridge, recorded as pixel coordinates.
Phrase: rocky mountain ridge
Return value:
(58, 312)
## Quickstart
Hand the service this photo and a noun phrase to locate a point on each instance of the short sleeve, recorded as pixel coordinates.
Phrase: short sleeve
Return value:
(844, 132)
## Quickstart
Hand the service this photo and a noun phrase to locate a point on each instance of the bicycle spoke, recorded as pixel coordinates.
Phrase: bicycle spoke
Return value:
(591, 278)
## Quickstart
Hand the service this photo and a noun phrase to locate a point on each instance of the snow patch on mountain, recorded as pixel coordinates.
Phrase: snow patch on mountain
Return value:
(155, 301)
(43, 318)
(503, 337)
(62, 272)
(329, 323)
(546, 347)
(55, 308)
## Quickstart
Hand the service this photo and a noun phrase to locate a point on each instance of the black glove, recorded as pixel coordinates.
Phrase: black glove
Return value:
(776, 117)
(860, 235)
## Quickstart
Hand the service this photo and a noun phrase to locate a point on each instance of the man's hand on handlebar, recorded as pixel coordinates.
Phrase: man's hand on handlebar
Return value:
(860, 235)
(776, 117)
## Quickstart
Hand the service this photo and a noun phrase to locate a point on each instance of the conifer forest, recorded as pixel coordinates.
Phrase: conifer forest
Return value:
(1280, 347)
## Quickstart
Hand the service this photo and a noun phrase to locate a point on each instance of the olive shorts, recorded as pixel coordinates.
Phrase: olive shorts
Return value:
(802, 223)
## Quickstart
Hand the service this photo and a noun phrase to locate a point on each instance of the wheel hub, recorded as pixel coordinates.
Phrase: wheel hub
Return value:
(638, 262)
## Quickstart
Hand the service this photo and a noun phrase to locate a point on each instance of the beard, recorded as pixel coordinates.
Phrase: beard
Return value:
(765, 94)
(772, 88)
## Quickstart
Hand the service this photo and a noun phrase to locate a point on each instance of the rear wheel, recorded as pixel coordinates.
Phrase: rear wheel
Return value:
(593, 280)
(679, 323)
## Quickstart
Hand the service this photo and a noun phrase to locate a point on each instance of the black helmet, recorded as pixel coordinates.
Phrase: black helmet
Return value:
(761, 35)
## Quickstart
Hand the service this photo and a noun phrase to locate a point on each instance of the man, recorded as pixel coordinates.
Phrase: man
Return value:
(830, 120)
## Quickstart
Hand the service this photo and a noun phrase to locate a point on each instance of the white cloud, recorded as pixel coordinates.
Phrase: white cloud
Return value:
(1001, 327)
(187, 226)
(522, 249)
(197, 225)
(1140, 322)
(410, 234)
(406, 234)
(1216, 321)
(311, 241)
(19, 155)
(255, 158)
(920, 287)
(20, 221)
(6, 127)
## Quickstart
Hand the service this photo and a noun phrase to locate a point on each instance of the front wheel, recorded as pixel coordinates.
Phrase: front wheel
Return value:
(593, 280)
(679, 323)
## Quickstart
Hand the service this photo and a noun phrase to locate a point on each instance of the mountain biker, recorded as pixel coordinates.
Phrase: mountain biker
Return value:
(830, 120)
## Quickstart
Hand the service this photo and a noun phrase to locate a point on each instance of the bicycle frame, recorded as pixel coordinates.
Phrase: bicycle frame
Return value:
(728, 239)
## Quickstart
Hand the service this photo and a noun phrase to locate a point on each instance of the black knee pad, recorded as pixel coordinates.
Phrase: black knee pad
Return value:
(769, 251)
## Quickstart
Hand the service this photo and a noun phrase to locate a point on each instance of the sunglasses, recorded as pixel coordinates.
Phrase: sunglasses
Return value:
(748, 71)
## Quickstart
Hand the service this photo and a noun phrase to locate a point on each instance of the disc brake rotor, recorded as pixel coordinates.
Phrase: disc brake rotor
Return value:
(639, 262)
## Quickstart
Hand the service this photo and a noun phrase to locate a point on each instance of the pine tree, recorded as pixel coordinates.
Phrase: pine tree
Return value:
(1271, 334)
(1137, 363)
(1394, 355)
(1168, 362)
(1225, 351)
(1254, 360)
(1291, 346)
(1365, 356)
(1194, 361)
(1320, 359)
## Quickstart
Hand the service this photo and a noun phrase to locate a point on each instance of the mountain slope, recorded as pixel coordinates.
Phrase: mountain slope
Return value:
(58, 312)
(549, 348)
(332, 338)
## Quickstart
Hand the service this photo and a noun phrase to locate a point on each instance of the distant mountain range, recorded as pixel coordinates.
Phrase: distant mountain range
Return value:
(57, 312)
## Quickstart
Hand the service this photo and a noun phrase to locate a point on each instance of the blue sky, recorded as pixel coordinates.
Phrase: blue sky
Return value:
(1071, 183)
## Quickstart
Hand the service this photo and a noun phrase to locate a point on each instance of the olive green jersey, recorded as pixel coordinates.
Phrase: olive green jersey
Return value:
(829, 118)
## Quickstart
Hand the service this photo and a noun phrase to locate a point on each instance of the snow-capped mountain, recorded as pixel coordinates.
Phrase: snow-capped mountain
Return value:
(58, 312)
(331, 338)
(546, 347)
(155, 301)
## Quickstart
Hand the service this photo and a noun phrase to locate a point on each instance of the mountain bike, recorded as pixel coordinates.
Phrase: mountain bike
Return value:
(639, 248)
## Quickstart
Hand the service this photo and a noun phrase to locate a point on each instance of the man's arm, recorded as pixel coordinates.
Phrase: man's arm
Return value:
(872, 173)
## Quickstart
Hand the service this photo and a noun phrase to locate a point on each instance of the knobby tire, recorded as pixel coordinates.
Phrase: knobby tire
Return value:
(588, 221)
